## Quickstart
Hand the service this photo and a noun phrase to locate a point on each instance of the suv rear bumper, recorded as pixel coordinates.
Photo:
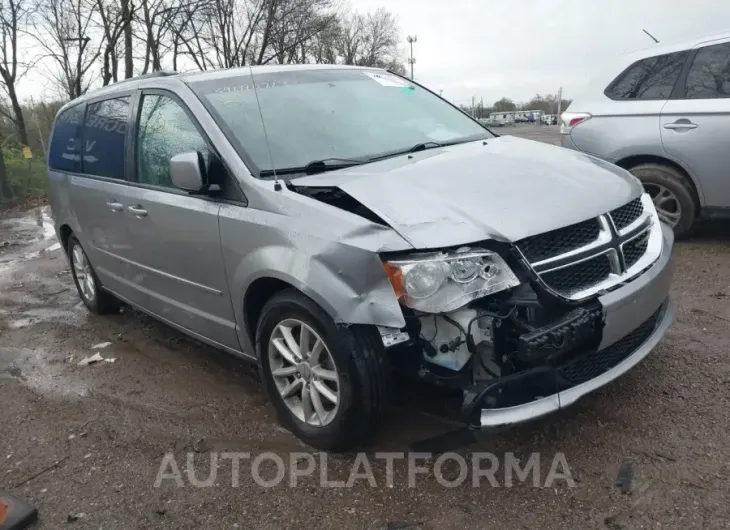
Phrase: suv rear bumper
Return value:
(644, 300)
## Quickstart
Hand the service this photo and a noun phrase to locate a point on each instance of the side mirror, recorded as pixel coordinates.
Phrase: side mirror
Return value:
(187, 171)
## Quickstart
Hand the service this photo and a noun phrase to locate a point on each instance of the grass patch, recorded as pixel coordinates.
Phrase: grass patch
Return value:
(26, 177)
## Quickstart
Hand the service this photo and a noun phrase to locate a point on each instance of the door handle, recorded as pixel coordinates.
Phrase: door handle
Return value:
(138, 211)
(115, 206)
(680, 125)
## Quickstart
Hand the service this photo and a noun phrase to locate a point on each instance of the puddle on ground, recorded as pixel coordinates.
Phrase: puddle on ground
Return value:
(32, 368)
(74, 316)
(26, 237)
(22, 323)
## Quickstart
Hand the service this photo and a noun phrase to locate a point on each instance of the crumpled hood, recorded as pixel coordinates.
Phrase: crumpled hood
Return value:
(508, 189)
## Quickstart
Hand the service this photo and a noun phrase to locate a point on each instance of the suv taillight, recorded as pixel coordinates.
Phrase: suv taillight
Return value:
(568, 120)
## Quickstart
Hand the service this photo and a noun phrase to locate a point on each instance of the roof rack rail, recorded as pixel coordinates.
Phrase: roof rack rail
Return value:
(159, 73)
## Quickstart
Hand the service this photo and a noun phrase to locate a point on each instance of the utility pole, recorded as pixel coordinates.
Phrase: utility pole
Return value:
(650, 35)
(560, 102)
(412, 60)
(473, 107)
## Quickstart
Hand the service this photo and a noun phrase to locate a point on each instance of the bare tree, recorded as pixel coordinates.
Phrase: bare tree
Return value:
(233, 30)
(294, 26)
(154, 16)
(370, 40)
(14, 16)
(127, 14)
(115, 21)
(62, 30)
(380, 42)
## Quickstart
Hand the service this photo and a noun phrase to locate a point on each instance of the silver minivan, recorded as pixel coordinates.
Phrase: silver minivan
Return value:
(663, 113)
(342, 225)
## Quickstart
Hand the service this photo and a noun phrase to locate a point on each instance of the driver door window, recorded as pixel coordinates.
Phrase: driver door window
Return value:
(165, 130)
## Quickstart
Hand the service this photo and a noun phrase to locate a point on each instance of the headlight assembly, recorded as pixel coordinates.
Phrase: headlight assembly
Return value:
(442, 282)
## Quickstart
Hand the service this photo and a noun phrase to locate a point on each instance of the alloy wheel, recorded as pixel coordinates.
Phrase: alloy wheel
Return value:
(666, 203)
(304, 372)
(84, 276)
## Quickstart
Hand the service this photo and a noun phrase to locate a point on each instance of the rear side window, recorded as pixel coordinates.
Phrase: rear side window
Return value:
(651, 78)
(709, 75)
(105, 131)
(64, 153)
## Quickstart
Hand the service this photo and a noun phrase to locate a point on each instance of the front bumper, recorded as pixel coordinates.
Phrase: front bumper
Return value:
(644, 300)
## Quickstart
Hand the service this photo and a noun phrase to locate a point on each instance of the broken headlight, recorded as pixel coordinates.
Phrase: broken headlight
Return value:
(442, 282)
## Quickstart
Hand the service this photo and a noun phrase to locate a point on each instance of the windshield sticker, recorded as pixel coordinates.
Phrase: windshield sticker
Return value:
(387, 80)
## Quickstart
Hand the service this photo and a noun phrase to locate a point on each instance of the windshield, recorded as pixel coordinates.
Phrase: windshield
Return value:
(315, 115)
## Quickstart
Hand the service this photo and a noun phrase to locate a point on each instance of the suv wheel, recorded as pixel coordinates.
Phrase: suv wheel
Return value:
(671, 193)
(94, 297)
(328, 383)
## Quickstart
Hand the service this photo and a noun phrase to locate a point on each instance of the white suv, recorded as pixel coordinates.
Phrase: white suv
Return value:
(663, 113)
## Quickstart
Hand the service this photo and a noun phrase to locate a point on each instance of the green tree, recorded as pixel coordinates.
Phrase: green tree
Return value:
(504, 105)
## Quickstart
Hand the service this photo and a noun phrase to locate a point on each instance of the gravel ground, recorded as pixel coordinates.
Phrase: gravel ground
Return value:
(85, 444)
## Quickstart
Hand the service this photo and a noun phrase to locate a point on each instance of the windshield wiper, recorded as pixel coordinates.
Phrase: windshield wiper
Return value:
(315, 166)
(423, 146)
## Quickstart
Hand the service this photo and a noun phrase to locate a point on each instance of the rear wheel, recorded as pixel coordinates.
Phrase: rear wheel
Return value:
(328, 383)
(94, 297)
(672, 194)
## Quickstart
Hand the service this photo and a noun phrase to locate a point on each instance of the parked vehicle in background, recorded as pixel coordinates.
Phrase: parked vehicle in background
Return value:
(333, 224)
(495, 121)
(663, 113)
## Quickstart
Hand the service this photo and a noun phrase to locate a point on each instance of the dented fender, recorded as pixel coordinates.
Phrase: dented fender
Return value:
(337, 265)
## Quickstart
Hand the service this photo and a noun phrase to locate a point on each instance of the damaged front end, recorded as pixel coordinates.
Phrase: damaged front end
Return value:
(506, 328)
(527, 324)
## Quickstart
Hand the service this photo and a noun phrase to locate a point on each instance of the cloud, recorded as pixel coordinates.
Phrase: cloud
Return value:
(522, 47)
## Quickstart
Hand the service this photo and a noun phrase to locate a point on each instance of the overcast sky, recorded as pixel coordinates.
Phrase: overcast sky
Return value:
(517, 48)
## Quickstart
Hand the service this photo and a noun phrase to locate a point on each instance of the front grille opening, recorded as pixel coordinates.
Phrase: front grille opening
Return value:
(594, 364)
(627, 214)
(557, 242)
(578, 277)
(635, 249)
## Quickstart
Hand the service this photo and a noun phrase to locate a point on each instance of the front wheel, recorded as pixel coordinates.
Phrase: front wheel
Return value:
(328, 383)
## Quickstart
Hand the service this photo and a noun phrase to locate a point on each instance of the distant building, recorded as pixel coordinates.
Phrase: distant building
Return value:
(517, 115)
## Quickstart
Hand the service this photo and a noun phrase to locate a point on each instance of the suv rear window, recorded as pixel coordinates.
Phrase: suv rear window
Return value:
(64, 153)
(709, 75)
(650, 78)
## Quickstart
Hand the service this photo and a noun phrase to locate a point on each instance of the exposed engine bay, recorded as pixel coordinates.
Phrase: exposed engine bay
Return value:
(510, 344)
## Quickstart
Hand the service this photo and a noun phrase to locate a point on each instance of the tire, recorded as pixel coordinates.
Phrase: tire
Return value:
(658, 178)
(101, 302)
(359, 361)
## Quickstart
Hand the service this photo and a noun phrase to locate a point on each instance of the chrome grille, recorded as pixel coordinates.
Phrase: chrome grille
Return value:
(634, 249)
(627, 214)
(560, 241)
(578, 276)
(583, 259)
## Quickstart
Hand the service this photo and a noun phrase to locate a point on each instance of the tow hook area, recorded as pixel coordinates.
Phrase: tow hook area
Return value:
(509, 391)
